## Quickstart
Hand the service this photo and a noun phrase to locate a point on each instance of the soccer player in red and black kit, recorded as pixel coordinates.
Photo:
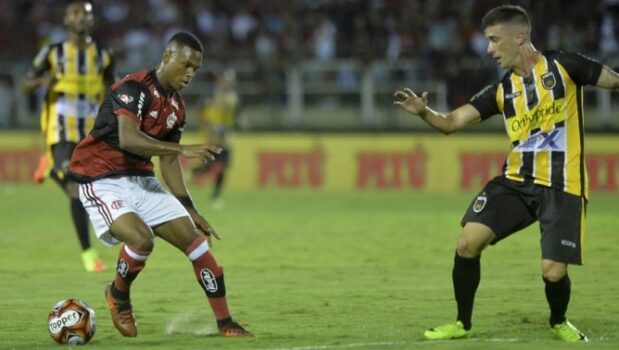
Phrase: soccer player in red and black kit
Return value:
(544, 177)
(144, 116)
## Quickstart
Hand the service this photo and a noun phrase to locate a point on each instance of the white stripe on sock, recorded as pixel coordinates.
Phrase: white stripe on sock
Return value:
(135, 255)
(198, 252)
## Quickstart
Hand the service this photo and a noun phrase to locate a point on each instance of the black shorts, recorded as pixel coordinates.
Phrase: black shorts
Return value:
(61, 154)
(224, 157)
(507, 207)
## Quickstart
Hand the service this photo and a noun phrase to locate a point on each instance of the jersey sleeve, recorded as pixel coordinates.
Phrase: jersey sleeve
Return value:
(131, 98)
(582, 69)
(485, 101)
(41, 63)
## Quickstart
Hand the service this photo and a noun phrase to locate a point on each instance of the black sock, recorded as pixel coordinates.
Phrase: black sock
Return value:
(558, 296)
(118, 294)
(224, 322)
(466, 275)
(218, 184)
(80, 221)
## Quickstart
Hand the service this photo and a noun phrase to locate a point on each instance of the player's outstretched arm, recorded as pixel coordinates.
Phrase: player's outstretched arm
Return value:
(455, 120)
(172, 173)
(133, 140)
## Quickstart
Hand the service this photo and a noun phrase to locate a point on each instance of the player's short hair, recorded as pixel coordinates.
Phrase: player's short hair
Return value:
(506, 14)
(187, 39)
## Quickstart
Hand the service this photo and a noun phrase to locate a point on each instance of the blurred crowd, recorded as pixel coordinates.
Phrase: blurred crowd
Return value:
(442, 37)
(283, 31)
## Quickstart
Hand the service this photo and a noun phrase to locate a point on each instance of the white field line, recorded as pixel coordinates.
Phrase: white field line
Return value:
(392, 344)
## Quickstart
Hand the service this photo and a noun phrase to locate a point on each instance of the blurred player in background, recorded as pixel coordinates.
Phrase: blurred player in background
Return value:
(544, 177)
(144, 116)
(220, 117)
(75, 74)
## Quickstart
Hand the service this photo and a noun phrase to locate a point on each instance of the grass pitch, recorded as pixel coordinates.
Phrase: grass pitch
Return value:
(307, 271)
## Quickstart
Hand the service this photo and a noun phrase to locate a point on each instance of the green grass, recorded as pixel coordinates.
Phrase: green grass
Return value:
(307, 271)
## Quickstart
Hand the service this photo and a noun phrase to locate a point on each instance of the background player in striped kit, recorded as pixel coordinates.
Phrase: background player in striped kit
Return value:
(220, 117)
(75, 74)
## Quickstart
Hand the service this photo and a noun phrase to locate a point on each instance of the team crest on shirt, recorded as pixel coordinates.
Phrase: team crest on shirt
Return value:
(549, 81)
(480, 203)
(171, 120)
(126, 98)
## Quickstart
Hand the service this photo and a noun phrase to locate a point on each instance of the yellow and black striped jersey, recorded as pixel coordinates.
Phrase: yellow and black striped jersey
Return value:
(219, 115)
(69, 109)
(544, 119)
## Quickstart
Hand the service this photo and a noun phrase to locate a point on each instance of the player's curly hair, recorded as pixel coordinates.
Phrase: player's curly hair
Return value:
(506, 14)
(187, 39)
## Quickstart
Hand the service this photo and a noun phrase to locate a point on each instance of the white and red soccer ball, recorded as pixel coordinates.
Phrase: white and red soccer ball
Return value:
(72, 321)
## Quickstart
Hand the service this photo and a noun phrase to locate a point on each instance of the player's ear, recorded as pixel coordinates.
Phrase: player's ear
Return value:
(167, 55)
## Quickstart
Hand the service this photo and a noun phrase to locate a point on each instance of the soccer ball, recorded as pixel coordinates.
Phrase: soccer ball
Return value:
(72, 321)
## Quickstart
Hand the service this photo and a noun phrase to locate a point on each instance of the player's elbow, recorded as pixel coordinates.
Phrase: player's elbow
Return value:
(448, 129)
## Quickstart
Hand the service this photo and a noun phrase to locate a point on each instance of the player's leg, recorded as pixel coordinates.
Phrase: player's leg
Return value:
(61, 153)
(219, 173)
(138, 241)
(562, 218)
(495, 213)
(224, 159)
(110, 204)
(182, 233)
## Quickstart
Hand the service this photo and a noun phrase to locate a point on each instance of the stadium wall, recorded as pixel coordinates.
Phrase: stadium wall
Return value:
(349, 162)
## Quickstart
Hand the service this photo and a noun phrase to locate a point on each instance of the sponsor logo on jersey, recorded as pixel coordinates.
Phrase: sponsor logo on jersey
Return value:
(141, 104)
(117, 204)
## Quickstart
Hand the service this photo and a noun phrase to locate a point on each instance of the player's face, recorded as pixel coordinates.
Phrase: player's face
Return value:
(78, 17)
(180, 66)
(503, 45)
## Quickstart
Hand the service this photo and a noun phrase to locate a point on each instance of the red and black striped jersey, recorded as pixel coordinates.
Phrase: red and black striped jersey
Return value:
(141, 97)
(544, 119)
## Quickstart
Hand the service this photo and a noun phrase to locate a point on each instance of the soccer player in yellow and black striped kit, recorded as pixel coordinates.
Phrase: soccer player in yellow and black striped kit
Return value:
(544, 178)
(75, 74)
(220, 117)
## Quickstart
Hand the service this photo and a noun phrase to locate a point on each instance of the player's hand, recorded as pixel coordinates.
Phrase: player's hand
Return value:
(410, 102)
(48, 81)
(205, 227)
(205, 152)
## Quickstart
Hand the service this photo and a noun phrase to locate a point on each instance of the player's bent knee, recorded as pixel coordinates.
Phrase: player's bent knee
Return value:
(467, 248)
(553, 271)
(144, 243)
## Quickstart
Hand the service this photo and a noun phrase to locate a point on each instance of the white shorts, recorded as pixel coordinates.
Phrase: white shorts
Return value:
(107, 199)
